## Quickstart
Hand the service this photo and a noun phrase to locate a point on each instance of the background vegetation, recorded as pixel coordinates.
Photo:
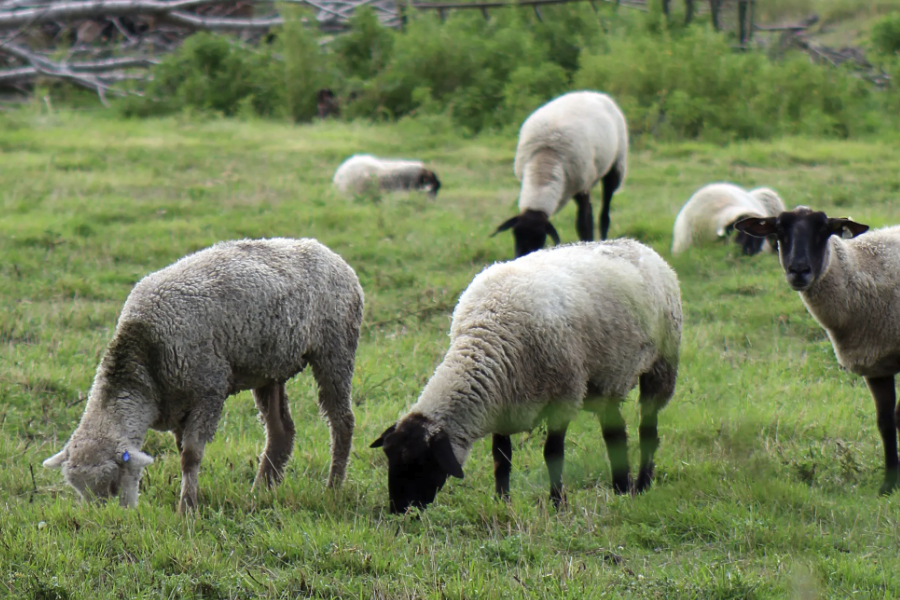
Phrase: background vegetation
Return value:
(770, 463)
(674, 82)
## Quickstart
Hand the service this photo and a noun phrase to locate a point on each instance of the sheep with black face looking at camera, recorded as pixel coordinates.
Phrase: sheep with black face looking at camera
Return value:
(240, 315)
(851, 287)
(567, 147)
(538, 339)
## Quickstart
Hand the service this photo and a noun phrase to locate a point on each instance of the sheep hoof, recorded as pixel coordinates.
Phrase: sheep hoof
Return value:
(622, 484)
(644, 481)
(558, 499)
(890, 484)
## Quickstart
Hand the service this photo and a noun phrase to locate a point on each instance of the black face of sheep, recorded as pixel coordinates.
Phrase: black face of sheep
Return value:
(802, 240)
(418, 464)
(429, 182)
(530, 230)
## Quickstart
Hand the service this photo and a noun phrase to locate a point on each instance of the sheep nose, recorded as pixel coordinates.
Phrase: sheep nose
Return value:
(800, 270)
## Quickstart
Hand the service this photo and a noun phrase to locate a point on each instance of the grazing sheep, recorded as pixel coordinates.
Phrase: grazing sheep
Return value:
(713, 210)
(361, 171)
(538, 339)
(240, 315)
(565, 148)
(851, 287)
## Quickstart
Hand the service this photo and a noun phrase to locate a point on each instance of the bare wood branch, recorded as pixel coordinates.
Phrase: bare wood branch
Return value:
(83, 9)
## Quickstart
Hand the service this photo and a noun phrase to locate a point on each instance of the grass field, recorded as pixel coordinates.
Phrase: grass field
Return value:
(770, 460)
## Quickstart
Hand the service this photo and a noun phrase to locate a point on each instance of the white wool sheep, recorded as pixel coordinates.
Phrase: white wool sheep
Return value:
(852, 288)
(565, 148)
(240, 315)
(712, 211)
(362, 171)
(538, 339)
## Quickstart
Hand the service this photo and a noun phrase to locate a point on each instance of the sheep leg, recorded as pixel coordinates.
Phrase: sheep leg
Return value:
(191, 455)
(584, 223)
(649, 443)
(611, 182)
(274, 408)
(882, 389)
(616, 439)
(333, 376)
(554, 456)
(198, 429)
(502, 452)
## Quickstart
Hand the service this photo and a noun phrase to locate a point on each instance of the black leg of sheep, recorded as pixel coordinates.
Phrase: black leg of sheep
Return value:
(616, 439)
(611, 182)
(554, 456)
(502, 451)
(883, 392)
(584, 222)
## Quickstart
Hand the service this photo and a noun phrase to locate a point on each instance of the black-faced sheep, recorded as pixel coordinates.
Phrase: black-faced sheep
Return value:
(362, 171)
(538, 339)
(712, 211)
(851, 286)
(240, 315)
(565, 148)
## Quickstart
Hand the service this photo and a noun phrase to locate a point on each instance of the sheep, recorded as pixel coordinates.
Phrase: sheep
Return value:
(537, 339)
(565, 148)
(851, 287)
(247, 314)
(360, 171)
(714, 209)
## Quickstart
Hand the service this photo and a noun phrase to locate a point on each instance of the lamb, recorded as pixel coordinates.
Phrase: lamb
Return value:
(247, 314)
(851, 287)
(565, 148)
(713, 210)
(362, 171)
(538, 339)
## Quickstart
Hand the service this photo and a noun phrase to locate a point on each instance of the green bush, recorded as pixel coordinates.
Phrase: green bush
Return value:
(672, 81)
(886, 35)
(212, 73)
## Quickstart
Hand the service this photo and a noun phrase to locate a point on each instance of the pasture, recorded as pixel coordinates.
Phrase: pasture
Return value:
(770, 461)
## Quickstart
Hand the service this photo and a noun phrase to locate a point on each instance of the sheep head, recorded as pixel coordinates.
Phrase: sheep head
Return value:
(803, 236)
(420, 458)
(100, 469)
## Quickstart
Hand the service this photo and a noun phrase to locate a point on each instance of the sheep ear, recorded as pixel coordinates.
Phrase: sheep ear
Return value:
(846, 228)
(57, 460)
(757, 227)
(136, 458)
(380, 441)
(506, 225)
(551, 231)
(443, 452)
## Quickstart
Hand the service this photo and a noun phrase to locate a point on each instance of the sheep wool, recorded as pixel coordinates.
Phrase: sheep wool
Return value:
(362, 171)
(240, 315)
(565, 148)
(713, 210)
(541, 338)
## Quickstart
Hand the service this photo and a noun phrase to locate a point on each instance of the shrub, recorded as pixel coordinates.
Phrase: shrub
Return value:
(211, 73)
(886, 35)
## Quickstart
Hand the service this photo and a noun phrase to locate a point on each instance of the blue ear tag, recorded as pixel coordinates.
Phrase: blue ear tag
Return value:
(125, 456)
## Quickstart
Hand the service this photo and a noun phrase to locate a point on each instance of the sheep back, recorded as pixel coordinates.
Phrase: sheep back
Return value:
(554, 327)
(584, 132)
(240, 314)
(708, 214)
(857, 302)
(360, 171)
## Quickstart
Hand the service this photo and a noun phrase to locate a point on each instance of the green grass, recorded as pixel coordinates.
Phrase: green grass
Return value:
(770, 461)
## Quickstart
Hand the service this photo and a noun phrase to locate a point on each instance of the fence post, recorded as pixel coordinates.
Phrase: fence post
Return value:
(665, 6)
(688, 11)
(742, 21)
(714, 9)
